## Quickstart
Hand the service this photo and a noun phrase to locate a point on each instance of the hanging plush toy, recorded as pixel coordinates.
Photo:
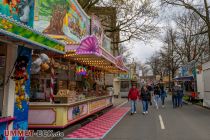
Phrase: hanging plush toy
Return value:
(41, 63)
(20, 76)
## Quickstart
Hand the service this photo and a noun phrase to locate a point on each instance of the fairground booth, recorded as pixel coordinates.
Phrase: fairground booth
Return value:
(18, 41)
(188, 80)
(73, 86)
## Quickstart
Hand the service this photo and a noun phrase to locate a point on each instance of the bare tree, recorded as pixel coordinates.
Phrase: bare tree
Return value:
(145, 69)
(135, 19)
(169, 53)
(126, 52)
(155, 63)
(190, 47)
(200, 7)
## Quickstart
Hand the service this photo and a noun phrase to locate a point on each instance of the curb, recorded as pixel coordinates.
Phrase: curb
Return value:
(188, 103)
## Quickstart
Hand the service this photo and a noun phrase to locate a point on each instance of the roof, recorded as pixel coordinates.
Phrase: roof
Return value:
(90, 53)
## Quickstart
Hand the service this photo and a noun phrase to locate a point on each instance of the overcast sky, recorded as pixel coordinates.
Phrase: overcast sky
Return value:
(142, 51)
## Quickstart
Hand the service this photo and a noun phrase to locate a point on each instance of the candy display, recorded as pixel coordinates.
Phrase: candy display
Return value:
(20, 76)
(80, 70)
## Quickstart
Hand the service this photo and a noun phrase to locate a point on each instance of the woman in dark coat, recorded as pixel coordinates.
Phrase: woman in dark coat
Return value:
(146, 98)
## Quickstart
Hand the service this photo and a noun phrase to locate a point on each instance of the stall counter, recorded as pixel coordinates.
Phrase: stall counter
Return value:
(48, 115)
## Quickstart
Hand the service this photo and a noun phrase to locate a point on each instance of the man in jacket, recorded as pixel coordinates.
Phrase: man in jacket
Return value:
(133, 95)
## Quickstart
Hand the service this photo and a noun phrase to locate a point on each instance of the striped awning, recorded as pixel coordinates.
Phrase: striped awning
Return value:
(90, 53)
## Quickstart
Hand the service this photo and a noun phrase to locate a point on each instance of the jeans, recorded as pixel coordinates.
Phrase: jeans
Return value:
(133, 106)
(180, 103)
(145, 105)
(163, 100)
(174, 101)
(156, 99)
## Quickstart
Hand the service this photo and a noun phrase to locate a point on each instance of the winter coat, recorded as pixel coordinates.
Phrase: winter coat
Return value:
(145, 95)
(180, 93)
(163, 93)
(157, 91)
(133, 94)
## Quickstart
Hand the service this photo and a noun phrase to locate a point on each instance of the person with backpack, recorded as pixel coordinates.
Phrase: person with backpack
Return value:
(133, 95)
(146, 99)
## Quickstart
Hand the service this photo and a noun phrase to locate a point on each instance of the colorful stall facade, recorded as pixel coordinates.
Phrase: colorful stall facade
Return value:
(61, 19)
(21, 10)
(79, 88)
(17, 41)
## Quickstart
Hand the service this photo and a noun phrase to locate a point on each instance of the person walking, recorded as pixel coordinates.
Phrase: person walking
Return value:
(149, 88)
(145, 97)
(163, 95)
(174, 96)
(180, 95)
(156, 96)
(133, 95)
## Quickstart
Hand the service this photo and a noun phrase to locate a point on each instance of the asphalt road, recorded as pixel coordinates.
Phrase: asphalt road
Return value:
(190, 122)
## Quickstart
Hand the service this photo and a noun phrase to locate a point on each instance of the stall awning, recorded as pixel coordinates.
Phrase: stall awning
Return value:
(90, 53)
(24, 33)
(184, 78)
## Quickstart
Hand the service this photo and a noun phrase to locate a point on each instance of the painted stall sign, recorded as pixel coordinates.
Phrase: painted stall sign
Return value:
(77, 111)
(20, 10)
(189, 69)
(24, 33)
(96, 29)
(61, 18)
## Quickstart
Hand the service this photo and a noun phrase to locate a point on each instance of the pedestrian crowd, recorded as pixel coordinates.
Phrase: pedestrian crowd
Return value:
(153, 93)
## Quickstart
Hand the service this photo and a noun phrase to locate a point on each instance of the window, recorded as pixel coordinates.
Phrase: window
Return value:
(3, 52)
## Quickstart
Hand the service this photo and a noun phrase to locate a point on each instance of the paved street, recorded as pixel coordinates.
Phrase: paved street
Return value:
(190, 122)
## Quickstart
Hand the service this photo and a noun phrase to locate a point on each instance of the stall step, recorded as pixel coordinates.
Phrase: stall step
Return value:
(101, 126)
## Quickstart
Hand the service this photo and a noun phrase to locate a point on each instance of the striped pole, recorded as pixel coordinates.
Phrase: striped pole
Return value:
(52, 77)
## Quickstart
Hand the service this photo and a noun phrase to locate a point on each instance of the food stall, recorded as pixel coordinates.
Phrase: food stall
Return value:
(74, 85)
(80, 89)
(18, 40)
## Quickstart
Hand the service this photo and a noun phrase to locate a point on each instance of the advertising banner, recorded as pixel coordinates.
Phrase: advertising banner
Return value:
(61, 18)
(19, 10)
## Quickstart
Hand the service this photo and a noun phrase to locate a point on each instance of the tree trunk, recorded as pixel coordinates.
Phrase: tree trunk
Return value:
(209, 42)
(56, 22)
